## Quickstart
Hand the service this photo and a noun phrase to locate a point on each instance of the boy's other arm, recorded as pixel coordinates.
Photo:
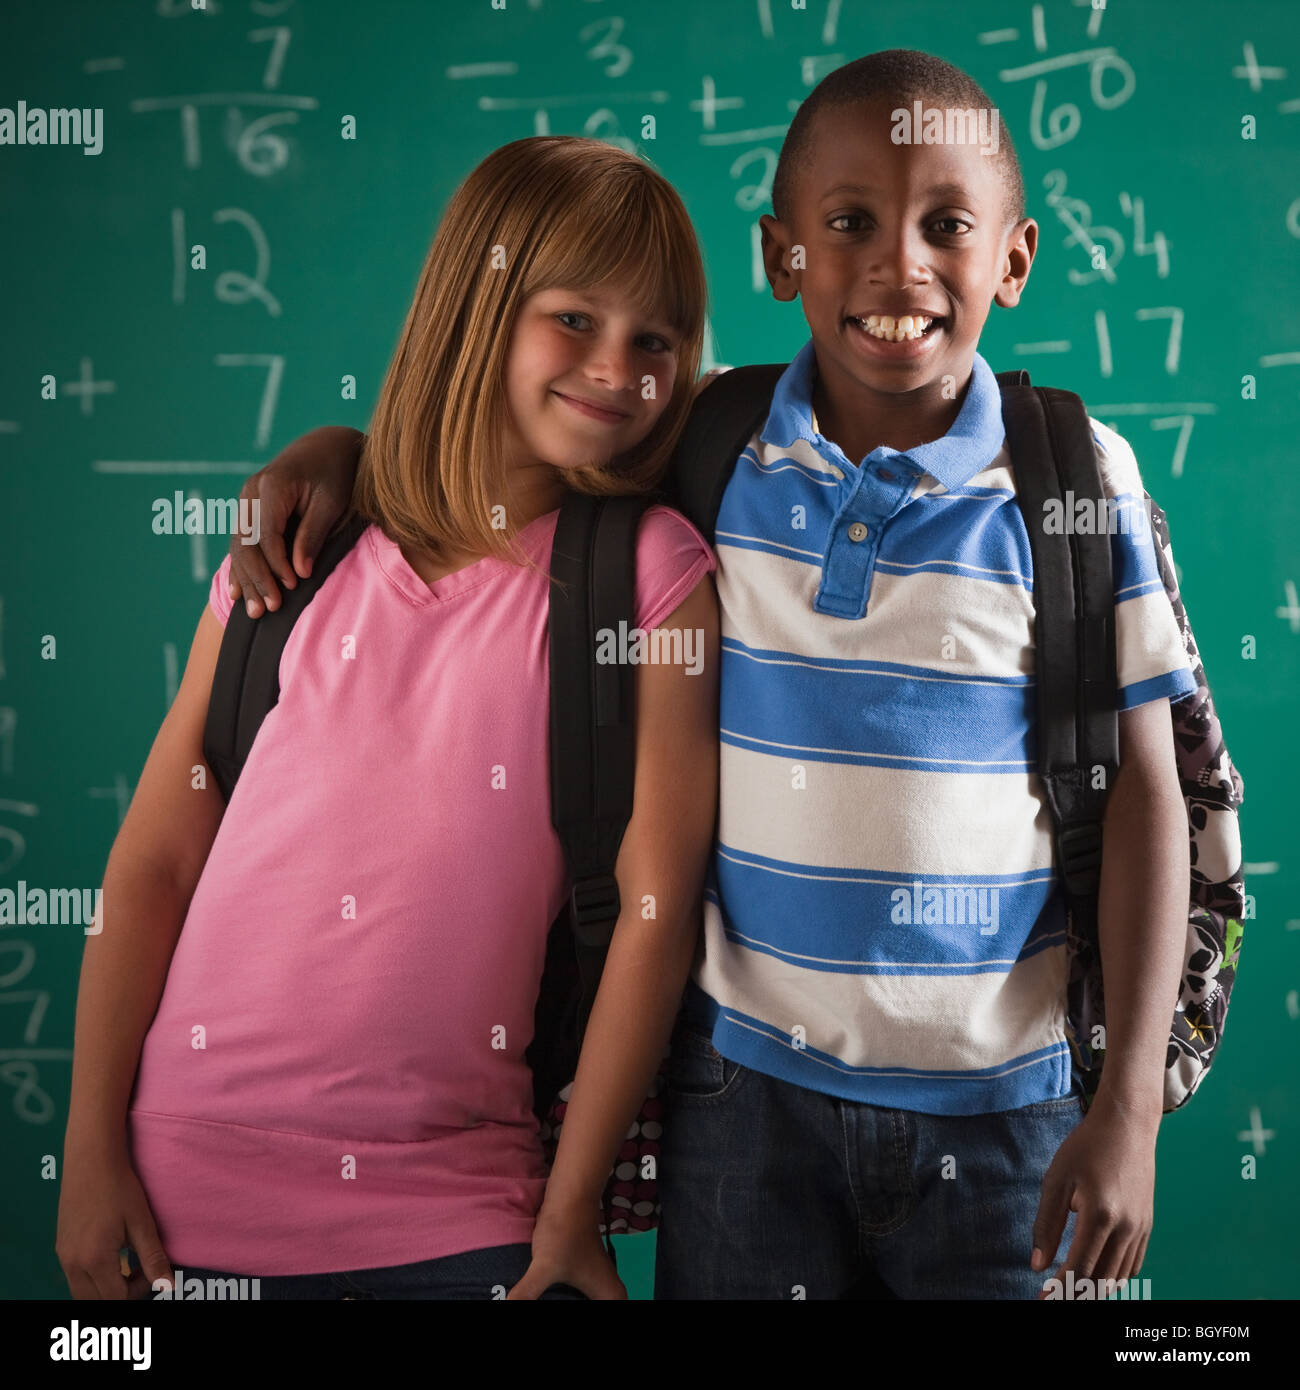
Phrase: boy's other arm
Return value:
(1105, 1170)
(1142, 911)
(312, 476)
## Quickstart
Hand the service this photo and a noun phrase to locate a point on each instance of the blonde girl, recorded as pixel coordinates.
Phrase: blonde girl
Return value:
(300, 1033)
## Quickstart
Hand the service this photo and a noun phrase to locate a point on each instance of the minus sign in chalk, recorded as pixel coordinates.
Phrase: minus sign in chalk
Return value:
(171, 466)
(460, 70)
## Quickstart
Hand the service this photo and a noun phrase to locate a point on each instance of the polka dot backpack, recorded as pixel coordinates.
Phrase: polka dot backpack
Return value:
(631, 1198)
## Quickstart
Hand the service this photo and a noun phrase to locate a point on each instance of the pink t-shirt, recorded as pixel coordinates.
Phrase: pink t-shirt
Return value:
(335, 1078)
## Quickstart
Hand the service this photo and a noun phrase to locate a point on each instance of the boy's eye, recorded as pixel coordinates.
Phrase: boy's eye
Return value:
(853, 222)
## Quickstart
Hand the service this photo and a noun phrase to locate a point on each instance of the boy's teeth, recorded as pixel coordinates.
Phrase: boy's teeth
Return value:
(895, 330)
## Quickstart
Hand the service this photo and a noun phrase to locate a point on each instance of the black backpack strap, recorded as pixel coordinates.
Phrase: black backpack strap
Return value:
(592, 720)
(722, 421)
(1052, 453)
(246, 682)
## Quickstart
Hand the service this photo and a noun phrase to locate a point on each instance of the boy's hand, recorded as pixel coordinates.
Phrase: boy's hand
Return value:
(567, 1249)
(312, 476)
(1105, 1172)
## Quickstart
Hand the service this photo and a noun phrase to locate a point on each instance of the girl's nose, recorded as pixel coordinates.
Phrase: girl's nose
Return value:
(612, 362)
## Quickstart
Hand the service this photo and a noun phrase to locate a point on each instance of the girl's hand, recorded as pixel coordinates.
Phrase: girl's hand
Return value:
(1105, 1172)
(567, 1249)
(103, 1207)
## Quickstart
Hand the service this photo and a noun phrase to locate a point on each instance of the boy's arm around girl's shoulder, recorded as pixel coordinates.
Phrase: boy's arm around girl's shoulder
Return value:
(312, 475)
(153, 869)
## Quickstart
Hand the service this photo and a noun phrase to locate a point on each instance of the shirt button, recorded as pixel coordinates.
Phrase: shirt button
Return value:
(857, 532)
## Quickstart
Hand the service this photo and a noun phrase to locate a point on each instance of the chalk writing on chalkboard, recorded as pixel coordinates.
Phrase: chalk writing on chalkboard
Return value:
(258, 145)
(1111, 81)
(231, 286)
(18, 1068)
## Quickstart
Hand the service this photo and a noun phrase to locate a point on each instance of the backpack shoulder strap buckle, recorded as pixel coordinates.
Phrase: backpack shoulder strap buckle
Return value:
(595, 903)
(1078, 855)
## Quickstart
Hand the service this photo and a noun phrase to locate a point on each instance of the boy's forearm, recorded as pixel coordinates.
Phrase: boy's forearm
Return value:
(338, 439)
(123, 971)
(1142, 929)
(330, 452)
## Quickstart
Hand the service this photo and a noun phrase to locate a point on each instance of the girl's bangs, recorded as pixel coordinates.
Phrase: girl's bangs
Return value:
(631, 242)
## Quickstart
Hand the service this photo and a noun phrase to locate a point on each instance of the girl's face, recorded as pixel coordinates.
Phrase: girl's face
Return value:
(587, 376)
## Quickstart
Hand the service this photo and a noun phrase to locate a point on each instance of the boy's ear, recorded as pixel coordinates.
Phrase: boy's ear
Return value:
(776, 258)
(1022, 243)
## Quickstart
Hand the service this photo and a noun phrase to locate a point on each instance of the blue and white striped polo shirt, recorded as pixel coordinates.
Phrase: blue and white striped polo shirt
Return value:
(883, 920)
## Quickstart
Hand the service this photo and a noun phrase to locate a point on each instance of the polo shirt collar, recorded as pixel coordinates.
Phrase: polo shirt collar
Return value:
(971, 444)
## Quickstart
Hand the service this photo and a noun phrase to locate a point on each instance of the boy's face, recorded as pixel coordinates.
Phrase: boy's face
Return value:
(895, 229)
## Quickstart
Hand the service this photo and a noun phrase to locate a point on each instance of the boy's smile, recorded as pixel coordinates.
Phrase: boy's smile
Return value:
(894, 232)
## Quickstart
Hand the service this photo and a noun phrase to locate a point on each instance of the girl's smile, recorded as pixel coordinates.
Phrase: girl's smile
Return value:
(607, 414)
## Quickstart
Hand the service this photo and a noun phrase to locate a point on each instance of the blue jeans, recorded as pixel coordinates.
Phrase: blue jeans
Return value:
(772, 1191)
(472, 1274)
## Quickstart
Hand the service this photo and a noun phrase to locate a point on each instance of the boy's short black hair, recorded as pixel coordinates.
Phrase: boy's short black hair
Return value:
(900, 76)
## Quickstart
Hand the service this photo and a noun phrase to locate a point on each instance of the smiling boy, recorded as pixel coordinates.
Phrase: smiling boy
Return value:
(867, 1085)
(862, 1091)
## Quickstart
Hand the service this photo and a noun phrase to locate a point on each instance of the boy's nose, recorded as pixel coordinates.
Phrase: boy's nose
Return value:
(897, 259)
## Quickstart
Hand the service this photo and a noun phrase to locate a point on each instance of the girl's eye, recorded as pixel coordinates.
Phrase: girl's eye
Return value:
(651, 342)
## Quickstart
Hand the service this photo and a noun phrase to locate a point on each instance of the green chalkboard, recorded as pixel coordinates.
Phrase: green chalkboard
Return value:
(1166, 133)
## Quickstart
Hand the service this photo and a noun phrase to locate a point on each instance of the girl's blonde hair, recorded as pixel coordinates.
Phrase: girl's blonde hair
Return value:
(540, 213)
